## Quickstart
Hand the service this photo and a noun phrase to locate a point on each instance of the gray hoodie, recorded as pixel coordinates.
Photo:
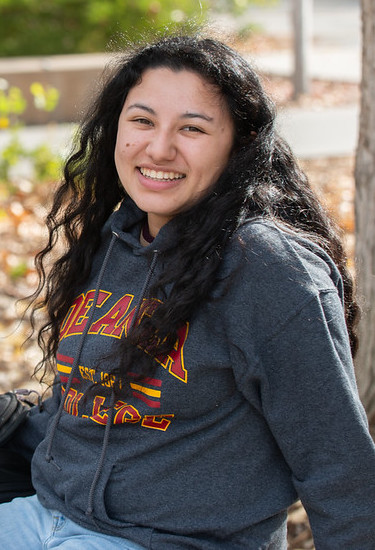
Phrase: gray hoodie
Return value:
(256, 405)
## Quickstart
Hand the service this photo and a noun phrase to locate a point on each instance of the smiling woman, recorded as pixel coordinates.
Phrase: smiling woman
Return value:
(201, 324)
(174, 138)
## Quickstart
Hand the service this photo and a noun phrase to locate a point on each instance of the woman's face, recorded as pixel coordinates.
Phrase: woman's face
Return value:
(174, 139)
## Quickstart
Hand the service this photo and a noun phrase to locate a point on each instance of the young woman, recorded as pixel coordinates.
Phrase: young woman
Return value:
(201, 322)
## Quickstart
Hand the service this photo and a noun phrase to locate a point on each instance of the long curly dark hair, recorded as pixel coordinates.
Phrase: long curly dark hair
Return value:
(262, 178)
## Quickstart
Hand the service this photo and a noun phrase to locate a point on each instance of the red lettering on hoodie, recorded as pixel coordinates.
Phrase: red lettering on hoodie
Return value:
(112, 322)
(76, 319)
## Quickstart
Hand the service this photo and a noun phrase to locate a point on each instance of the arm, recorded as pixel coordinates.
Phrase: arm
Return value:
(311, 404)
(297, 370)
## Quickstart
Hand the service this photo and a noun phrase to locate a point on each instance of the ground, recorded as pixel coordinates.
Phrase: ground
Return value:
(22, 233)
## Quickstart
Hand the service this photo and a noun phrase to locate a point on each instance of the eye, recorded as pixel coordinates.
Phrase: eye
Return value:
(143, 121)
(193, 129)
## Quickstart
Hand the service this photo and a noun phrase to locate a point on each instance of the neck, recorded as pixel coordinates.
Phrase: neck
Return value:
(145, 237)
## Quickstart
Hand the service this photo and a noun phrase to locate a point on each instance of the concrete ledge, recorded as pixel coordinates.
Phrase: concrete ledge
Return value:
(75, 76)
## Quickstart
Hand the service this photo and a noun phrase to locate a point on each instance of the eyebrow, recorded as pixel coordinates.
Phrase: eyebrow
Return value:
(141, 106)
(197, 115)
(184, 116)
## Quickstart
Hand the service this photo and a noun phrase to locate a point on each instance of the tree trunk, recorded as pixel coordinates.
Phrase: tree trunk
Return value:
(365, 215)
(302, 26)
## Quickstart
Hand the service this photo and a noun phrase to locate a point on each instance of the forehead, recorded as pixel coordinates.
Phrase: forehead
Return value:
(164, 84)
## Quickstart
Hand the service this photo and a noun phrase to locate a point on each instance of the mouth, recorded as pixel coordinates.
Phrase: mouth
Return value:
(160, 175)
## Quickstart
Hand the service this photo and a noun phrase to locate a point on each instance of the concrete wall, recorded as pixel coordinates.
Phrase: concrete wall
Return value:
(77, 77)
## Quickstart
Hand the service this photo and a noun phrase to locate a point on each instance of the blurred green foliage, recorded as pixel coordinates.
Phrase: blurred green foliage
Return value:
(47, 27)
(45, 164)
(13, 102)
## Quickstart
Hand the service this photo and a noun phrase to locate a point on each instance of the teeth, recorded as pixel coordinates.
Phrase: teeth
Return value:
(159, 175)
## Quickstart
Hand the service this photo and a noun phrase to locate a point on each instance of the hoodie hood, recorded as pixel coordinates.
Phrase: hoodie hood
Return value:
(127, 223)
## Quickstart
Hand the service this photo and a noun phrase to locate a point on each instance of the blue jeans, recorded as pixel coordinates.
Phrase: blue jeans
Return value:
(26, 525)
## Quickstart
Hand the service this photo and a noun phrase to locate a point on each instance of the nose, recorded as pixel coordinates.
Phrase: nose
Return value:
(162, 146)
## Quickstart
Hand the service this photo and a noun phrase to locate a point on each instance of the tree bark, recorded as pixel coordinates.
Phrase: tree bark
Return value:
(365, 216)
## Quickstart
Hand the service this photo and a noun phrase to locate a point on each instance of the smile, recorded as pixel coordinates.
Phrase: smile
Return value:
(159, 175)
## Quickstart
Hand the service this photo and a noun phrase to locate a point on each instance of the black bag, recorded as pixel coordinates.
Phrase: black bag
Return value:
(13, 413)
(15, 476)
(15, 472)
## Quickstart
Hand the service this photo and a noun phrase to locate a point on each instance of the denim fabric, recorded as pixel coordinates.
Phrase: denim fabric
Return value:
(26, 525)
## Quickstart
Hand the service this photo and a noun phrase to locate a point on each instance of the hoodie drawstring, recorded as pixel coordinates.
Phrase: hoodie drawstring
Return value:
(50, 438)
(90, 504)
(145, 287)
(56, 420)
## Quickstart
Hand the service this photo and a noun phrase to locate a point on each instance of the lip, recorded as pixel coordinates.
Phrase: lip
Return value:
(157, 184)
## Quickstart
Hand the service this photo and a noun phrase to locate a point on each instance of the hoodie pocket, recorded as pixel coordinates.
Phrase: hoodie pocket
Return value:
(111, 507)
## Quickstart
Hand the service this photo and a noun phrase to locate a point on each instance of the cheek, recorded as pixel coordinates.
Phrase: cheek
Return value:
(216, 164)
(126, 147)
(121, 160)
(123, 151)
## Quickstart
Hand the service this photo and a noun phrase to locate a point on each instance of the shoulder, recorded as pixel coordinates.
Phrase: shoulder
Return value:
(274, 274)
(279, 253)
(272, 271)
